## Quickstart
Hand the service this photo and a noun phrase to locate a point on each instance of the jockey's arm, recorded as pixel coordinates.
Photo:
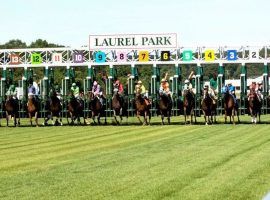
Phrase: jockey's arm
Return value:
(143, 89)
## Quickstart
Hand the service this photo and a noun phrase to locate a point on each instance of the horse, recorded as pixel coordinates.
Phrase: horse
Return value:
(165, 107)
(142, 109)
(118, 106)
(189, 104)
(208, 108)
(12, 110)
(96, 107)
(75, 110)
(32, 109)
(230, 107)
(254, 106)
(54, 108)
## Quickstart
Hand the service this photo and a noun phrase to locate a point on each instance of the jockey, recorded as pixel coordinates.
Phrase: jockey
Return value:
(188, 86)
(32, 90)
(12, 91)
(118, 86)
(75, 91)
(252, 89)
(58, 92)
(231, 90)
(165, 87)
(213, 88)
(191, 79)
(96, 90)
(259, 90)
(140, 89)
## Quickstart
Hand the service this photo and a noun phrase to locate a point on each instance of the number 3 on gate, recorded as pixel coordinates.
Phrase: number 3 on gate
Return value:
(209, 55)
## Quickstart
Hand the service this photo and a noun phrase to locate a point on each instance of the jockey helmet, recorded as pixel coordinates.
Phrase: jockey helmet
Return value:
(260, 82)
(139, 82)
(186, 81)
(163, 80)
(95, 83)
(117, 82)
(73, 84)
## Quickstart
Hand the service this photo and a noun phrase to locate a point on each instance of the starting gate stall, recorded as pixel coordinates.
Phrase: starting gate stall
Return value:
(46, 84)
(66, 85)
(2, 91)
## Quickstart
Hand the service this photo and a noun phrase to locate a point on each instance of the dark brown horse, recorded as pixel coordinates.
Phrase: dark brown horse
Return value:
(208, 108)
(118, 106)
(54, 108)
(142, 109)
(254, 106)
(189, 104)
(33, 109)
(230, 107)
(165, 107)
(12, 110)
(75, 110)
(96, 107)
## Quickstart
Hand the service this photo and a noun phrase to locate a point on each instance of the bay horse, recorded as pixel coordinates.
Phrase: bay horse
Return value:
(32, 109)
(189, 105)
(96, 107)
(254, 106)
(165, 107)
(75, 109)
(230, 108)
(118, 106)
(12, 110)
(54, 108)
(142, 109)
(208, 108)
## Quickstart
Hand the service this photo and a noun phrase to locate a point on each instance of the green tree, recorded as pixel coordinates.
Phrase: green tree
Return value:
(14, 44)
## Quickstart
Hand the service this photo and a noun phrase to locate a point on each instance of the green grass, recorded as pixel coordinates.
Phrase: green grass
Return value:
(135, 162)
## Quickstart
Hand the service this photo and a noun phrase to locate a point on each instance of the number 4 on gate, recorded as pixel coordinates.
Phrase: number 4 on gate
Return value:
(209, 55)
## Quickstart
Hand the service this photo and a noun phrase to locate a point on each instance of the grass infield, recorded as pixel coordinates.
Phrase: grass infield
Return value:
(136, 162)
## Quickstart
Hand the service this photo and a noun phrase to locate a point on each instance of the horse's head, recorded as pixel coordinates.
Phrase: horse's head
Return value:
(115, 91)
(90, 95)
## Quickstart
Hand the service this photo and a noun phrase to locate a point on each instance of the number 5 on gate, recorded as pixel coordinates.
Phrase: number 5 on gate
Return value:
(209, 55)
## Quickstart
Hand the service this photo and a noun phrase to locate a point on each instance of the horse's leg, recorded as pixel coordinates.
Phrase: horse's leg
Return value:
(121, 114)
(60, 118)
(225, 116)
(115, 117)
(36, 118)
(233, 112)
(162, 118)
(138, 116)
(7, 117)
(251, 115)
(169, 117)
(205, 120)
(145, 118)
(185, 114)
(15, 120)
(30, 117)
(98, 118)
